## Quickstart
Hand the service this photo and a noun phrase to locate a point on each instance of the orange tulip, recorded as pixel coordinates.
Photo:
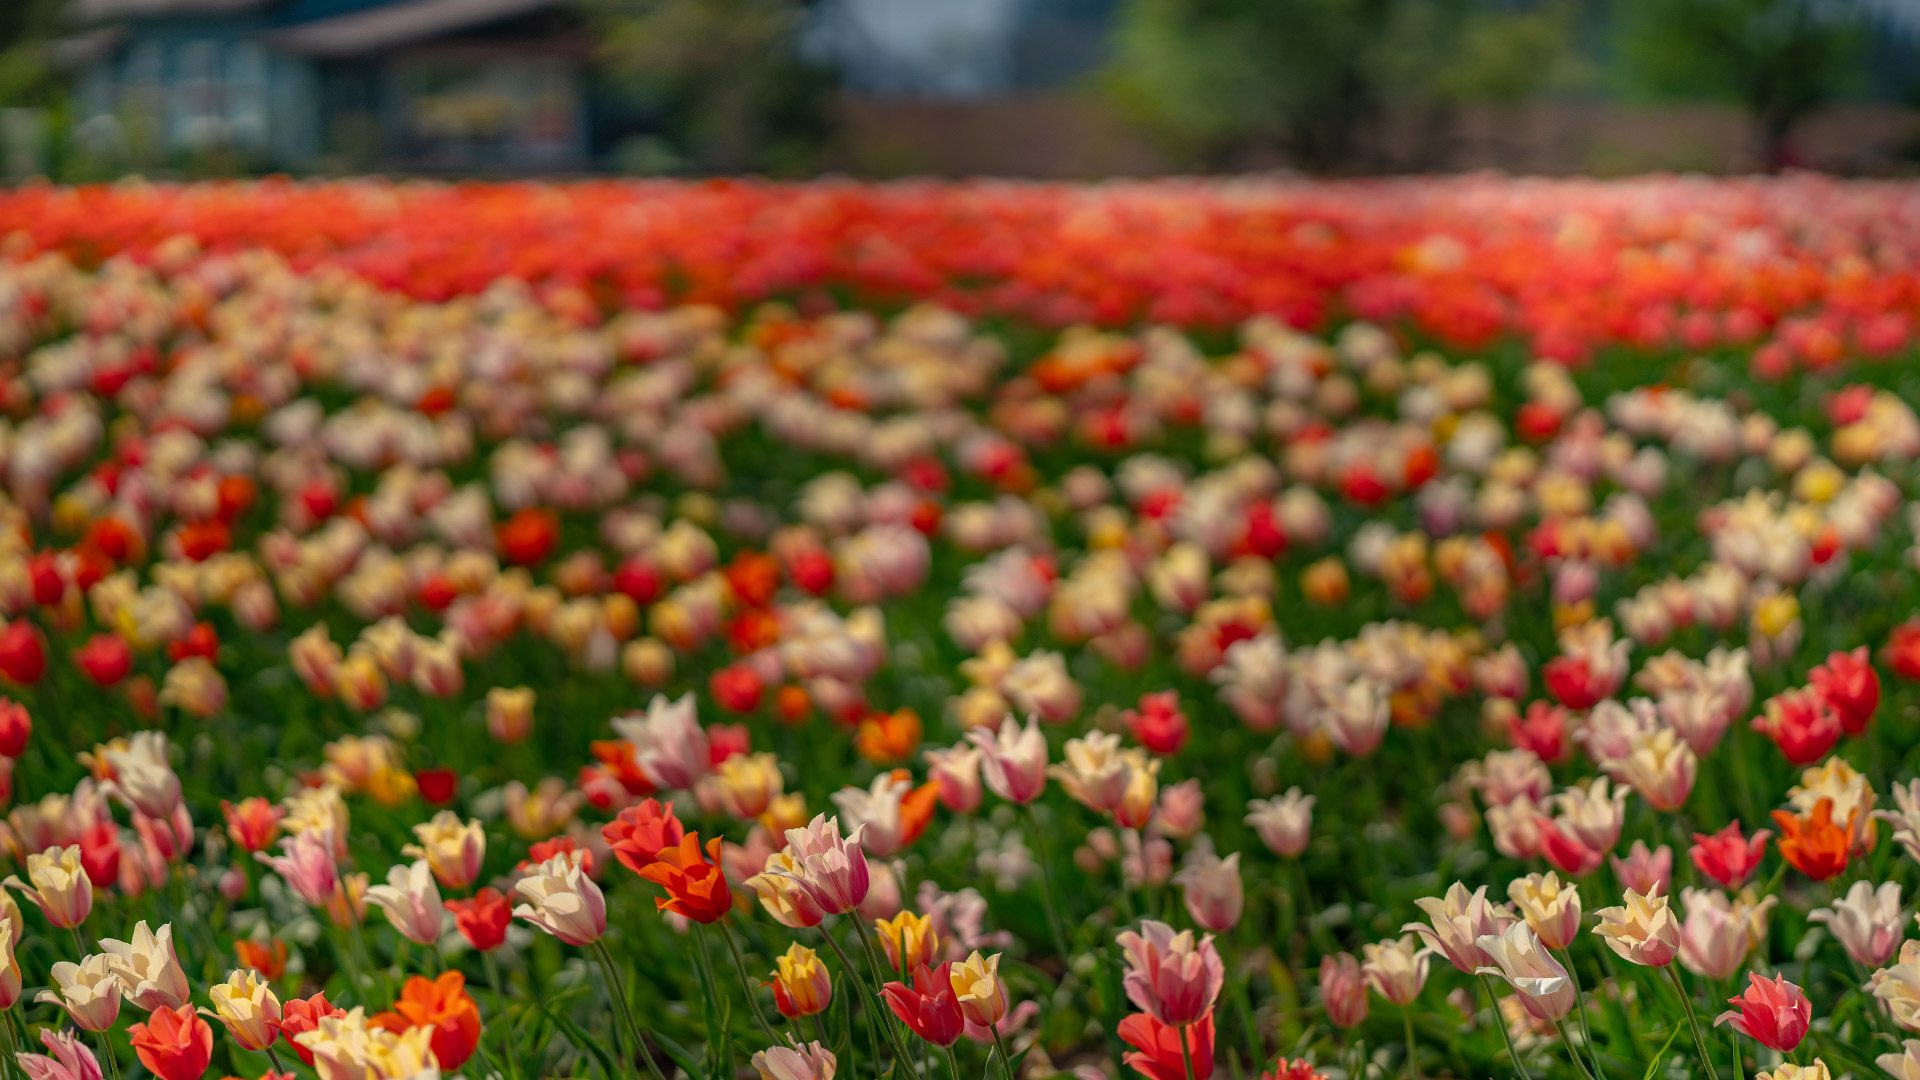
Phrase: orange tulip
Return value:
(270, 959)
(1813, 844)
(883, 738)
(443, 1005)
(696, 887)
(916, 809)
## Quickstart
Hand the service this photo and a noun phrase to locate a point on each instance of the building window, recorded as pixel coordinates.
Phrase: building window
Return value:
(199, 96)
(460, 110)
(141, 96)
(246, 93)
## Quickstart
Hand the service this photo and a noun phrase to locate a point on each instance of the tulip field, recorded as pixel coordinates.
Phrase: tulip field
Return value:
(975, 631)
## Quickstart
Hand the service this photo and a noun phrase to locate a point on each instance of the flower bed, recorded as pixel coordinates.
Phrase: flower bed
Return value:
(1190, 629)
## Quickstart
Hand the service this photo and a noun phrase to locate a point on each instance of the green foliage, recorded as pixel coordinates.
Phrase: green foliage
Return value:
(1509, 56)
(26, 73)
(720, 78)
(1780, 59)
(1227, 79)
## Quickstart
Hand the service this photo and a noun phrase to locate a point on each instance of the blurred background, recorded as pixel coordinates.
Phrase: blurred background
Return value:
(93, 89)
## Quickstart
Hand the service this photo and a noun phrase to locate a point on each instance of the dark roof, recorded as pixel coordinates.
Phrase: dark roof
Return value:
(396, 23)
(104, 10)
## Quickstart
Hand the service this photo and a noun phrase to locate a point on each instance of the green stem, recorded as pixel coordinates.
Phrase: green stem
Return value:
(1006, 1060)
(953, 1063)
(1566, 1040)
(106, 1051)
(1413, 1059)
(357, 933)
(13, 1045)
(746, 983)
(1243, 1005)
(1186, 1048)
(19, 1025)
(1499, 1021)
(716, 1027)
(866, 1006)
(1693, 1022)
(889, 1022)
(499, 987)
(1046, 887)
(620, 999)
(1580, 1006)
(1127, 907)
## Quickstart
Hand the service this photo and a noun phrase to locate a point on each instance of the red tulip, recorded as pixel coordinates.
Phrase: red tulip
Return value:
(1566, 852)
(1363, 486)
(1265, 537)
(640, 832)
(105, 659)
(929, 1007)
(16, 724)
(252, 823)
(754, 578)
(202, 540)
(23, 656)
(1157, 1052)
(100, 853)
(319, 500)
(529, 536)
(1848, 682)
(174, 1044)
(1903, 650)
(1159, 724)
(727, 741)
(1773, 1012)
(1536, 421)
(638, 580)
(737, 689)
(1802, 723)
(1571, 682)
(43, 574)
(301, 1015)
(437, 786)
(200, 641)
(1541, 729)
(812, 571)
(1726, 856)
(558, 845)
(483, 919)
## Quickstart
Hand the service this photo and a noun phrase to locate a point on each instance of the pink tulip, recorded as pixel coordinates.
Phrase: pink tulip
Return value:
(830, 870)
(1013, 760)
(1343, 991)
(1171, 977)
(1211, 888)
(306, 864)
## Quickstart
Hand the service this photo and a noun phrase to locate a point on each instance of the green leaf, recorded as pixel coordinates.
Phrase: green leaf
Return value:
(1654, 1065)
(680, 1054)
(579, 1038)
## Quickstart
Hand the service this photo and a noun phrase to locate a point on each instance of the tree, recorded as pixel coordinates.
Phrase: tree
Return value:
(1226, 80)
(26, 71)
(1781, 59)
(724, 77)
